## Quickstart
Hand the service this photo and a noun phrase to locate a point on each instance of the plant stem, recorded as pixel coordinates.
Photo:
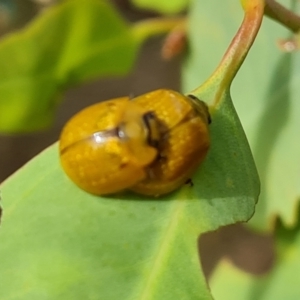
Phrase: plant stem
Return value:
(152, 27)
(144, 29)
(237, 50)
(279, 13)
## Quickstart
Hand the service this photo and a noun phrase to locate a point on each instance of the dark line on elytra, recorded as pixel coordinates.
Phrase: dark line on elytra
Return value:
(102, 135)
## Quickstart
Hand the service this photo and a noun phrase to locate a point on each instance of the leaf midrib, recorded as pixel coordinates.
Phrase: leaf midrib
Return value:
(163, 249)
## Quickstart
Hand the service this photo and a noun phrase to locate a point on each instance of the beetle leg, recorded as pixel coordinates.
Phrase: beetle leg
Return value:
(189, 182)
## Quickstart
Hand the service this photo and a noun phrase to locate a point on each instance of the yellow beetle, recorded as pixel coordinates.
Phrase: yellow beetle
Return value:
(150, 144)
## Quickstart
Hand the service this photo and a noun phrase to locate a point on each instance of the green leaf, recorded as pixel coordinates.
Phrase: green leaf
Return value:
(273, 124)
(165, 7)
(68, 44)
(230, 283)
(266, 95)
(59, 241)
(282, 282)
(277, 154)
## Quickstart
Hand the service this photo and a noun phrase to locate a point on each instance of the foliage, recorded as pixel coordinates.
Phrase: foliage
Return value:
(279, 283)
(66, 45)
(167, 6)
(57, 241)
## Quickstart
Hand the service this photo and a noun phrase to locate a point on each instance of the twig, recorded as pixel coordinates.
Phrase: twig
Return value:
(279, 13)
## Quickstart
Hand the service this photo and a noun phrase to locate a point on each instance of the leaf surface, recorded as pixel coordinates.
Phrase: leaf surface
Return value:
(60, 242)
(266, 95)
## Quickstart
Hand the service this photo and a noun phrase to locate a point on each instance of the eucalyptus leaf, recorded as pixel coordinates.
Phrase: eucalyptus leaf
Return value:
(67, 44)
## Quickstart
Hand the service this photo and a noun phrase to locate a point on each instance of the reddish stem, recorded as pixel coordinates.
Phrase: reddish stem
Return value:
(237, 50)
